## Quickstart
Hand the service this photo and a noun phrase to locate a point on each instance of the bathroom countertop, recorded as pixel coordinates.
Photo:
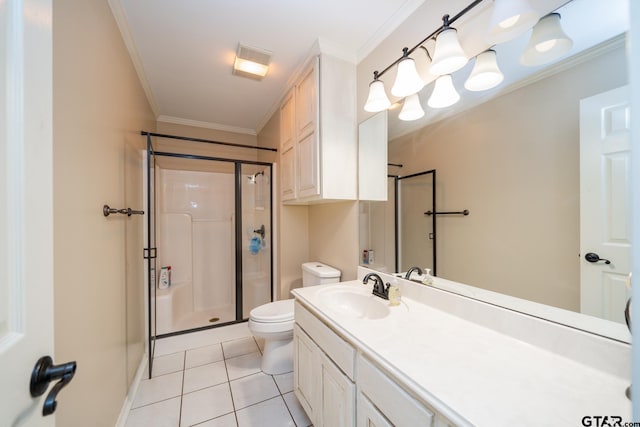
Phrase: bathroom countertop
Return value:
(473, 374)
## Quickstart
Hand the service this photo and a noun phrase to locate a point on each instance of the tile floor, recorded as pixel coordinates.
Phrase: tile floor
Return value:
(212, 379)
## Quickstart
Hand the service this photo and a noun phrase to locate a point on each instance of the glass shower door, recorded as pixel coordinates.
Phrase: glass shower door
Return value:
(256, 246)
(150, 251)
(416, 221)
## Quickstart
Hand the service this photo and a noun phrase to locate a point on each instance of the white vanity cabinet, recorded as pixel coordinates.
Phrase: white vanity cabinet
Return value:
(318, 133)
(390, 402)
(325, 391)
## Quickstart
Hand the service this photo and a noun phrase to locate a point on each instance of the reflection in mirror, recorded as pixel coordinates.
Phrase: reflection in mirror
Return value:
(514, 162)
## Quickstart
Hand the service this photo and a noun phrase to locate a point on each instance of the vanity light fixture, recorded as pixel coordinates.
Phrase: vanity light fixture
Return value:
(444, 93)
(548, 42)
(412, 109)
(509, 19)
(407, 81)
(251, 62)
(377, 100)
(485, 74)
(448, 56)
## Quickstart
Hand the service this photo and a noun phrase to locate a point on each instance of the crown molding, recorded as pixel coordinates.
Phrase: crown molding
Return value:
(387, 28)
(123, 26)
(206, 125)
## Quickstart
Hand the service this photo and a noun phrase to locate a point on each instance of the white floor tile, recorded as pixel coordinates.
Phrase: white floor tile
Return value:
(228, 420)
(204, 376)
(299, 415)
(157, 389)
(168, 364)
(201, 338)
(161, 414)
(253, 389)
(284, 382)
(206, 404)
(271, 413)
(239, 347)
(244, 365)
(203, 355)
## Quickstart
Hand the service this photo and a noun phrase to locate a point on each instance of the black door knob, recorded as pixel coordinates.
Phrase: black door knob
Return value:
(592, 257)
(43, 373)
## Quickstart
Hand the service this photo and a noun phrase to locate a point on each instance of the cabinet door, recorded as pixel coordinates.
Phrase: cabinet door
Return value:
(287, 122)
(288, 174)
(368, 415)
(338, 396)
(308, 167)
(306, 113)
(306, 374)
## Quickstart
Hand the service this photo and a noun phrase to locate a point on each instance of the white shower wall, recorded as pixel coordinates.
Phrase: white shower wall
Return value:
(196, 238)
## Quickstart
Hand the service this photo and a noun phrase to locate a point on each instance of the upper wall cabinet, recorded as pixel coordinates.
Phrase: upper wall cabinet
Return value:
(318, 134)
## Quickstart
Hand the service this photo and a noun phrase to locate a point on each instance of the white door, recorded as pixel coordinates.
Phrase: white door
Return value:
(26, 206)
(605, 209)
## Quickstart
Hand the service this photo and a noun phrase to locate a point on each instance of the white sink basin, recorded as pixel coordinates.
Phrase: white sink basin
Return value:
(354, 303)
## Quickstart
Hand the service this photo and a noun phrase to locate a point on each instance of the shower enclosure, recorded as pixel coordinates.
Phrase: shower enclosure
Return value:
(209, 232)
(401, 232)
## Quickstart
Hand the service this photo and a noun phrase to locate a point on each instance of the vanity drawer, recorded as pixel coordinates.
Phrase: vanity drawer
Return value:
(391, 400)
(341, 352)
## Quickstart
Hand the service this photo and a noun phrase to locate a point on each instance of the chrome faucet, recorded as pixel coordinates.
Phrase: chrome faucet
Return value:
(407, 276)
(379, 288)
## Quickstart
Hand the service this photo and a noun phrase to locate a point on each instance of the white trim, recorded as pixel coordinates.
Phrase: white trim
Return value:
(131, 395)
(121, 21)
(388, 27)
(207, 125)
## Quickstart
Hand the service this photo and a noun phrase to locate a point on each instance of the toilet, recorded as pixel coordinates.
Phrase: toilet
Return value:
(274, 321)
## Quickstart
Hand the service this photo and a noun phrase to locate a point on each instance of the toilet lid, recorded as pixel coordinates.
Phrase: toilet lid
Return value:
(278, 311)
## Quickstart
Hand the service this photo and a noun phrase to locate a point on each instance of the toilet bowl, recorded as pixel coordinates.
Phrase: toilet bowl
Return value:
(274, 321)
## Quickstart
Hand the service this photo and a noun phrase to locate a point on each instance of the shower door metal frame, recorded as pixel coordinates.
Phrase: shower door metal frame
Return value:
(238, 233)
(397, 180)
(150, 252)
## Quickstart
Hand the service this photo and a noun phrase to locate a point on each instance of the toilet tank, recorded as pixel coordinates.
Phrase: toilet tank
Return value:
(316, 273)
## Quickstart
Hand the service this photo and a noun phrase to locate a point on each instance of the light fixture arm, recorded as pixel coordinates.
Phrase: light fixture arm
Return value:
(446, 23)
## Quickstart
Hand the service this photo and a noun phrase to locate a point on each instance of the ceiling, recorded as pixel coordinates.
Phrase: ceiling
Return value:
(184, 50)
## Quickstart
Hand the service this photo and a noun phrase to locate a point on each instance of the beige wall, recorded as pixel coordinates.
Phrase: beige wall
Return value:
(514, 163)
(98, 111)
(333, 236)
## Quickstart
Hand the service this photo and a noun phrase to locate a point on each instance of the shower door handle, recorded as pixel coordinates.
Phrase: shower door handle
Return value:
(43, 373)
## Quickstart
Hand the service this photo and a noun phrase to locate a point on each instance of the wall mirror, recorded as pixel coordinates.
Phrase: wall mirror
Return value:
(516, 159)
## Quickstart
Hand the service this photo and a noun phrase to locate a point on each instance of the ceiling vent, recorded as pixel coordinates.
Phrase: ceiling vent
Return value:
(251, 62)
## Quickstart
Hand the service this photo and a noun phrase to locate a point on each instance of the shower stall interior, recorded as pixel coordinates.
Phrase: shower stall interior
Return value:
(209, 246)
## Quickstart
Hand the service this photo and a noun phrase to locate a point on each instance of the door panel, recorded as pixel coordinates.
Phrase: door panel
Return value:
(605, 211)
(26, 206)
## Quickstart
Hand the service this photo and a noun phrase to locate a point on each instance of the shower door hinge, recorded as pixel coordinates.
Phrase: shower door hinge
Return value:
(150, 253)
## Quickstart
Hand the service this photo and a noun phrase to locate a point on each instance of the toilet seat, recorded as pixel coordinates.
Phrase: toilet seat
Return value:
(273, 312)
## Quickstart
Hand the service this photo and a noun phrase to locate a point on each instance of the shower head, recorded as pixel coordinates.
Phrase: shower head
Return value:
(252, 178)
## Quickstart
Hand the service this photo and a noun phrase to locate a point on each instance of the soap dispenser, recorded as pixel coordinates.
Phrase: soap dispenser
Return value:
(394, 293)
(428, 278)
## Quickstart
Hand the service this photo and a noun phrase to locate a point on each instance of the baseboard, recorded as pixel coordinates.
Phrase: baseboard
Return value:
(128, 401)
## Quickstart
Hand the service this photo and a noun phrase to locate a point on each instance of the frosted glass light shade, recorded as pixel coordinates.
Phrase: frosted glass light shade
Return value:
(377, 100)
(509, 19)
(411, 110)
(485, 74)
(444, 93)
(407, 81)
(448, 56)
(548, 42)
